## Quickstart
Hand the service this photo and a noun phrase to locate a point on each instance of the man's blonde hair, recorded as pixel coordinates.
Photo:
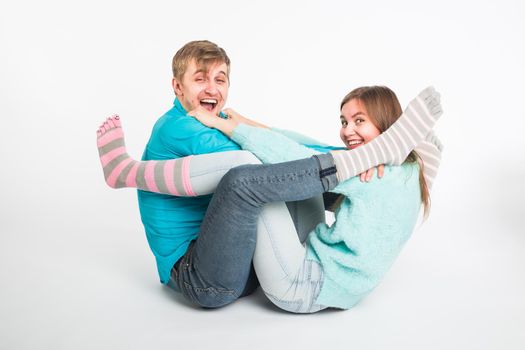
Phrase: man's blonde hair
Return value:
(204, 52)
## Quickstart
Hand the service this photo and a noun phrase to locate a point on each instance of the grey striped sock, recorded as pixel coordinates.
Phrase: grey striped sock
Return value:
(393, 145)
(430, 152)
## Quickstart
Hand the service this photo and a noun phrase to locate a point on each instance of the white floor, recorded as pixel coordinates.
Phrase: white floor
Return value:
(75, 268)
(87, 280)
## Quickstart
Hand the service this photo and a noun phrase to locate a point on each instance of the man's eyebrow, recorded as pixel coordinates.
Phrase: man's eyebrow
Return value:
(204, 70)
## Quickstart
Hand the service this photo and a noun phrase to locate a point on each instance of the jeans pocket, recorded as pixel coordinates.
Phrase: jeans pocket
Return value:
(208, 297)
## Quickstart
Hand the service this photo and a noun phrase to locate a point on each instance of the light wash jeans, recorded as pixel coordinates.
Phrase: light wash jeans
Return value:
(216, 268)
(287, 278)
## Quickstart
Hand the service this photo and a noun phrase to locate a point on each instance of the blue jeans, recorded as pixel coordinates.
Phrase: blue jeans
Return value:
(217, 268)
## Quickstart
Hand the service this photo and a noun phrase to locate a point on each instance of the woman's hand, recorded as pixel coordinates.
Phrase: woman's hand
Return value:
(367, 175)
(233, 115)
(204, 116)
(226, 126)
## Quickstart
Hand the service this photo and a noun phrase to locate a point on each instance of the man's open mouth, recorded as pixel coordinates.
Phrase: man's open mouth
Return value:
(209, 103)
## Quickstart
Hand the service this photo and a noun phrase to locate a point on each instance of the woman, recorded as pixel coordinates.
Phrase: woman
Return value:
(340, 264)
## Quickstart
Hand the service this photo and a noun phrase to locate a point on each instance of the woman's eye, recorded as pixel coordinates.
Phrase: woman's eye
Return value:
(359, 121)
(344, 123)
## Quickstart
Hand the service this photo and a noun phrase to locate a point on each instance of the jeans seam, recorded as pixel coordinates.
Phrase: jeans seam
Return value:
(239, 183)
(210, 289)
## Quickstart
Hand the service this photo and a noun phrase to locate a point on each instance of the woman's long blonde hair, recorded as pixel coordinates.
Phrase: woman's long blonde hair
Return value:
(383, 107)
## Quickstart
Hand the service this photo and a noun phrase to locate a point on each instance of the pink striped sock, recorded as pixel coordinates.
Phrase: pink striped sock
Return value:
(120, 170)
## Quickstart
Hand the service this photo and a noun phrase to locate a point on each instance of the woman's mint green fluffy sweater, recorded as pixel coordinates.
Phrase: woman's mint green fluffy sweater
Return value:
(371, 225)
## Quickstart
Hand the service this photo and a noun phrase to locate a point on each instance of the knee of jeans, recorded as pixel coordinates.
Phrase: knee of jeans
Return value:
(233, 177)
(209, 297)
(294, 306)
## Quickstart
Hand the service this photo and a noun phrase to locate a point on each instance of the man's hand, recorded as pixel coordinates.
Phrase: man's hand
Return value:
(367, 175)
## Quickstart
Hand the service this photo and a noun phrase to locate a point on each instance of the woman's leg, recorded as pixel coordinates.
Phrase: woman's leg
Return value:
(306, 215)
(287, 278)
(188, 176)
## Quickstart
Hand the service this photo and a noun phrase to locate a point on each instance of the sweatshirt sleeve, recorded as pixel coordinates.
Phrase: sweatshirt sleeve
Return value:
(268, 145)
(183, 136)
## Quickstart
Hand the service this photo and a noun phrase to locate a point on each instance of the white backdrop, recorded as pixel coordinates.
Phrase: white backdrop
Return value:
(75, 268)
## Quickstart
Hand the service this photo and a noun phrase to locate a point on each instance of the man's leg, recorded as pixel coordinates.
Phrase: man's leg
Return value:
(217, 268)
(235, 208)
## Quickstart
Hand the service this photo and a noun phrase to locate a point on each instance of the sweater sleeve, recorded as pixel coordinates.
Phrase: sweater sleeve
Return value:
(307, 141)
(268, 145)
(297, 137)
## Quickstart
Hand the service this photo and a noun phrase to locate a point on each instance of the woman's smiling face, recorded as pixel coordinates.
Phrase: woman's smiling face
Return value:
(357, 127)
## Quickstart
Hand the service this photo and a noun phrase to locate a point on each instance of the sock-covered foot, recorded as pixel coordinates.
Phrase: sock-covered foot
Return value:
(120, 170)
(393, 145)
(429, 150)
(112, 152)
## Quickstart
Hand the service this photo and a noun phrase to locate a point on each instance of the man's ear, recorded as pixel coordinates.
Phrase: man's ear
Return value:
(177, 88)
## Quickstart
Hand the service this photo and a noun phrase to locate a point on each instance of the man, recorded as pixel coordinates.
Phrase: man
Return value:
(210, 270)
